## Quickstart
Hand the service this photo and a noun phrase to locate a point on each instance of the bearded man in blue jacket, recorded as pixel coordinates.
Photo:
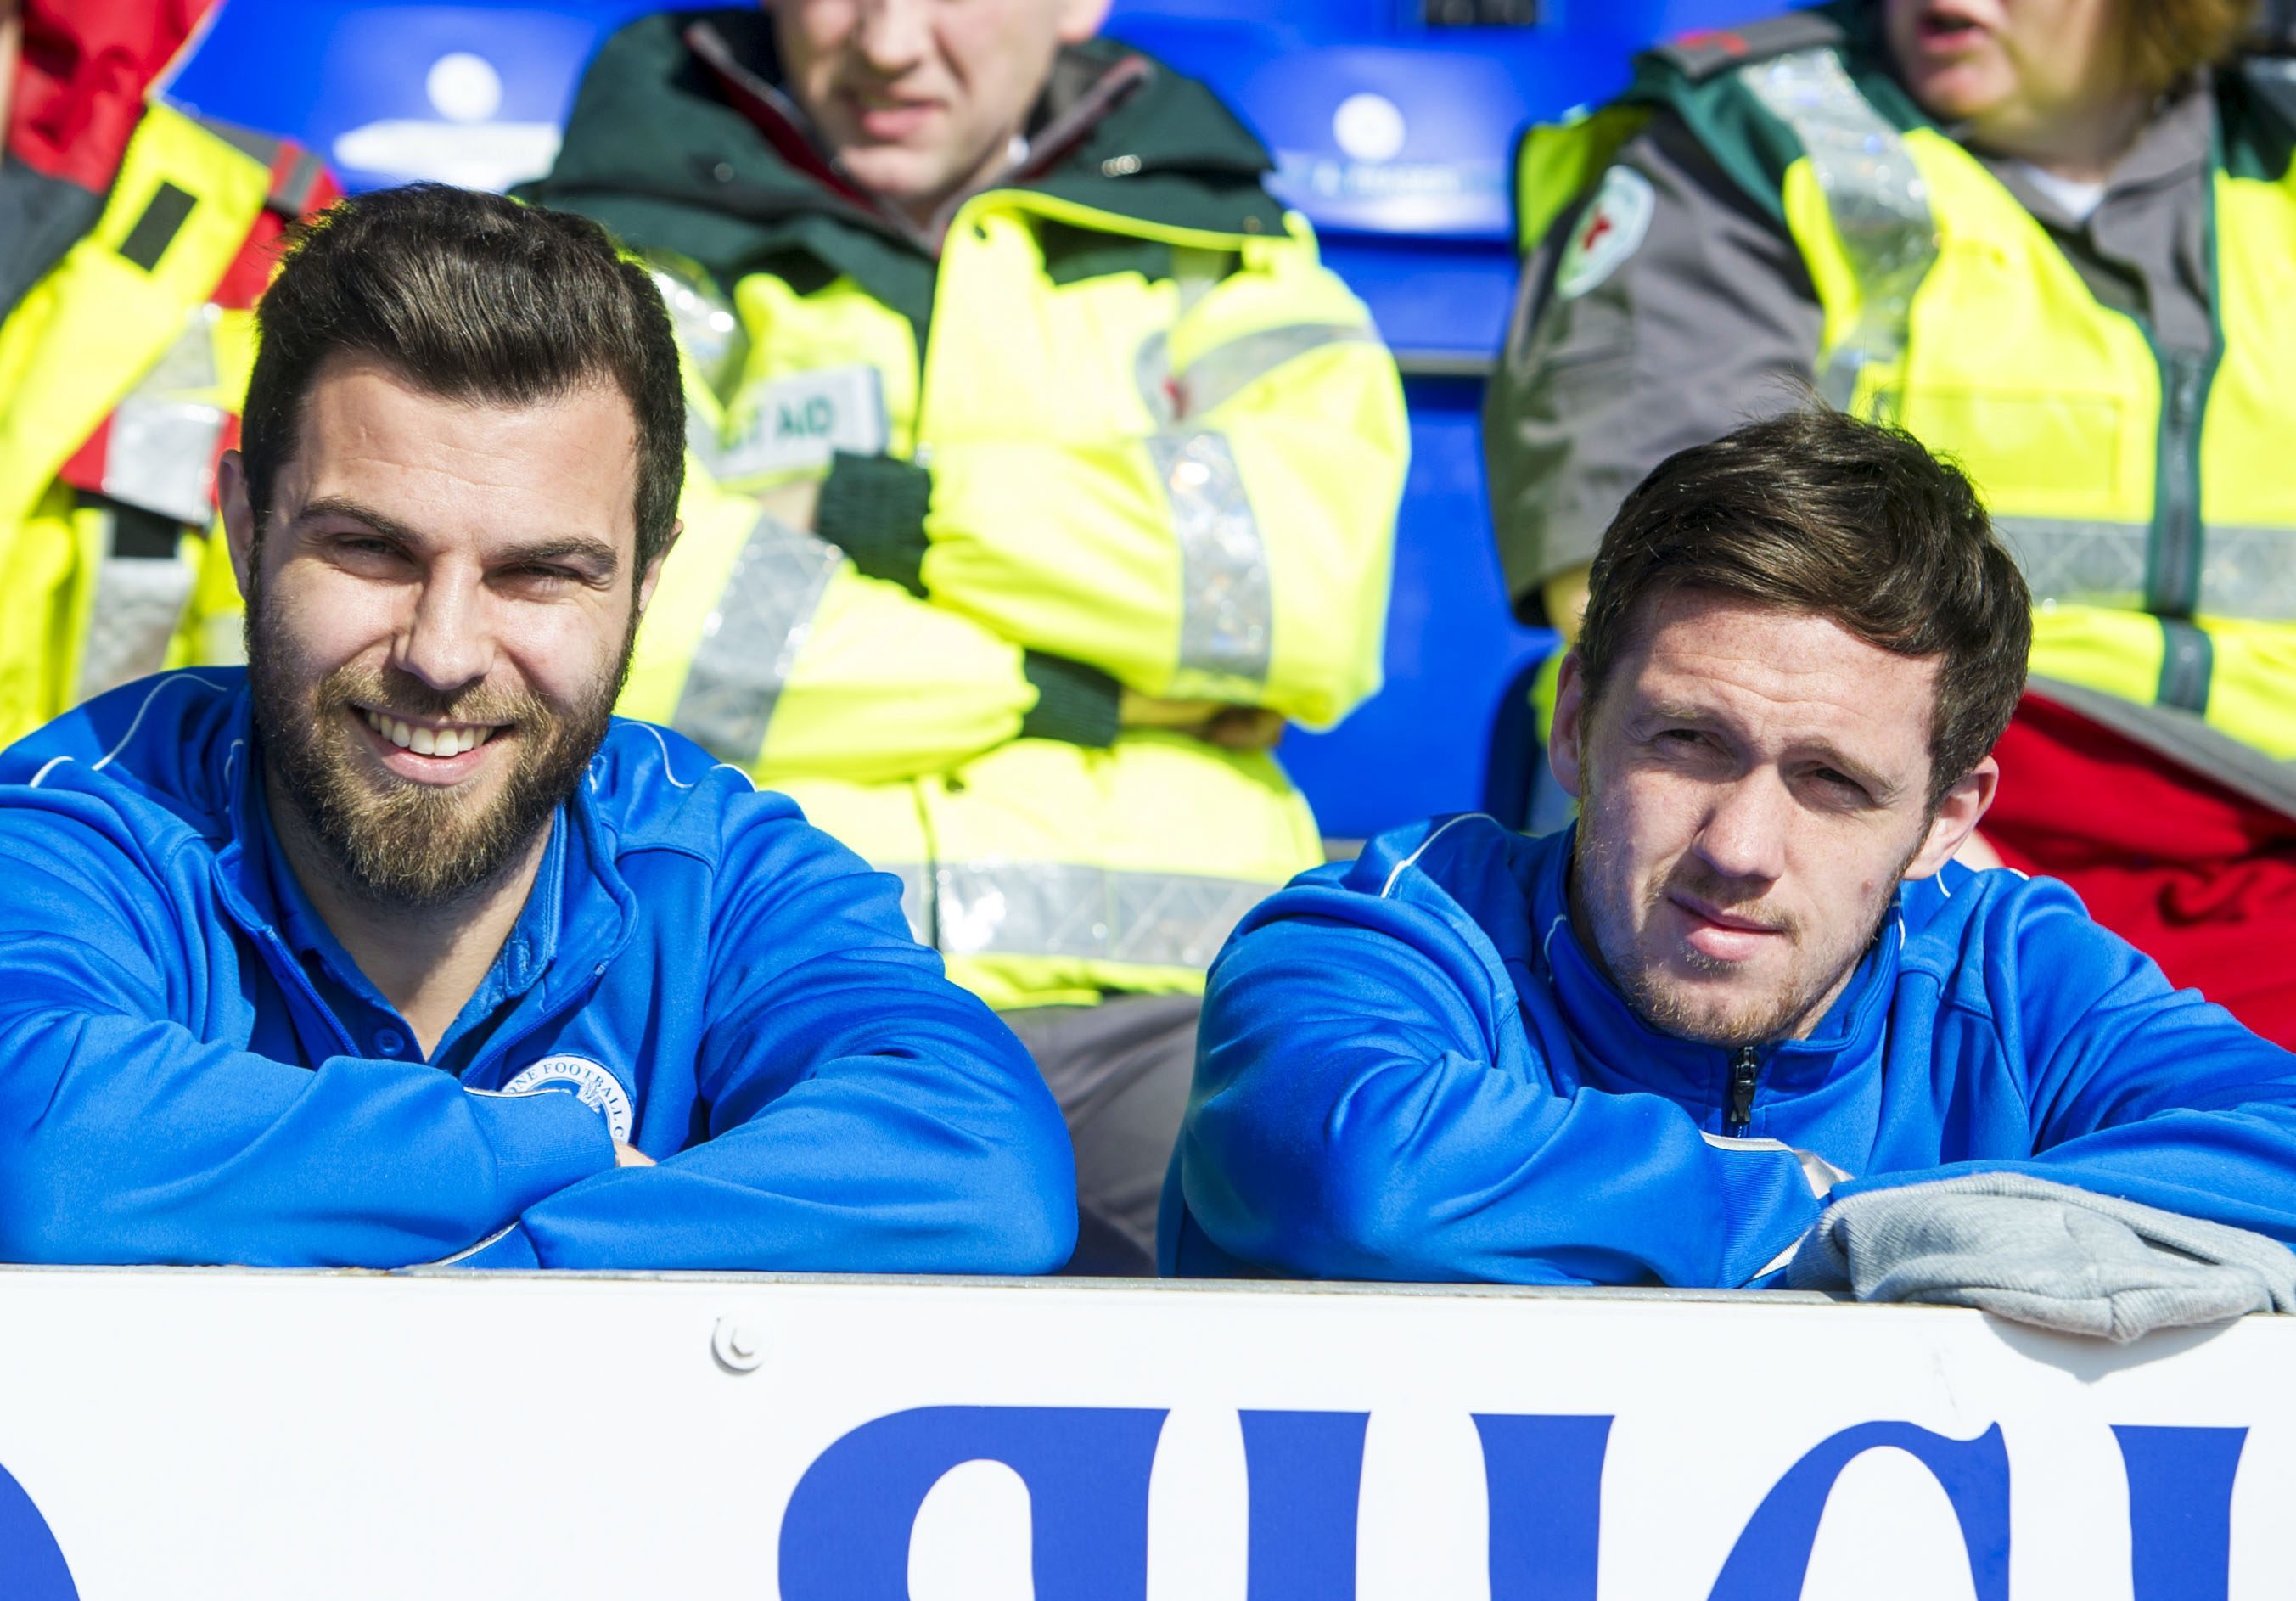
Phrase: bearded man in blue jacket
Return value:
(1751, 981)
(397, 947)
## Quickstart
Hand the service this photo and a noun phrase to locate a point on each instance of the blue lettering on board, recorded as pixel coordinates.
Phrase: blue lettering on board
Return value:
(1303, 1473)
(2180, 1510)
(32, 1562)
(845, 1536)
(1544, 1479)
(1772, 1556)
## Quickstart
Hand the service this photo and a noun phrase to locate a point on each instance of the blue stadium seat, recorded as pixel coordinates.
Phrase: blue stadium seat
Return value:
(472, 93)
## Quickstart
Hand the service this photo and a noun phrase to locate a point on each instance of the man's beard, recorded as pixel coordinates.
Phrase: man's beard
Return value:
(408, 844)
(1671, 1008)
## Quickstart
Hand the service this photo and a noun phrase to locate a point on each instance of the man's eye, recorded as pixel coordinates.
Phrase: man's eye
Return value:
(1682, 738)
(1843, 782)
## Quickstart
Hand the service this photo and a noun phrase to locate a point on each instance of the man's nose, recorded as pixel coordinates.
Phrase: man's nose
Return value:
(1745, 832)
(894, 35)
(446, 640)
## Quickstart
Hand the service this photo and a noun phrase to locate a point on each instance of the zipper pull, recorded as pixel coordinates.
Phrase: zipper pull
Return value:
(1744, 1072)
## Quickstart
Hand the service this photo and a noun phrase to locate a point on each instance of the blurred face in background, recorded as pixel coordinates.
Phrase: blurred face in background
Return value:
(2011, 69)
(919, 100)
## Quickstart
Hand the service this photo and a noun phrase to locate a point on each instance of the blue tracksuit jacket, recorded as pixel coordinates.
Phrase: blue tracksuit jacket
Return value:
(1409, 1069)
(696, 966)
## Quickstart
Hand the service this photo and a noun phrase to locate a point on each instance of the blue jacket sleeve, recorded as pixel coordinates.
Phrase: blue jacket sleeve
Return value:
(1368, 1106)
(865, 1114)
(2134, 1087)
(127, 1135)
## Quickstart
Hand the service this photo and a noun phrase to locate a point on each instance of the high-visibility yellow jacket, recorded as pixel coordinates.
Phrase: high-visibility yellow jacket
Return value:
(122, 367)
(2144, 489)
(1116, 429)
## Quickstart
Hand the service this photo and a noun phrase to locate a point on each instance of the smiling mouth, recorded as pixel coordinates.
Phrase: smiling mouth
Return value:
(428, 739)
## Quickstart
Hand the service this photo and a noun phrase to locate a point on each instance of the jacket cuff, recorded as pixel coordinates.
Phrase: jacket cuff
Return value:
(542, 1142)
(873, 508)
(1075, 703)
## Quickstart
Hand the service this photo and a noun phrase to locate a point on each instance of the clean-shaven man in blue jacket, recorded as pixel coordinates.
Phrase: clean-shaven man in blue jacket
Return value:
(397, 947)
(1751, 978)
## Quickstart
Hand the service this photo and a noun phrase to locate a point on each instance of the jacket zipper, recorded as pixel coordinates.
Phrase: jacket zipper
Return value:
(1745, 1072)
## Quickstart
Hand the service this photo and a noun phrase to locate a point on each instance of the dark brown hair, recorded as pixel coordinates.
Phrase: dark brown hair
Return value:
(2167, 38)
(473, 297)
(1816, 513)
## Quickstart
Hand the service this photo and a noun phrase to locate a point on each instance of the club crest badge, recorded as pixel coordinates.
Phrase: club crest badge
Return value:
(598, 1090)
(1612, 228)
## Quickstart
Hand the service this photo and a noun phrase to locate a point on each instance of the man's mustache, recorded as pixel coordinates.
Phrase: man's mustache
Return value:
(406, 695)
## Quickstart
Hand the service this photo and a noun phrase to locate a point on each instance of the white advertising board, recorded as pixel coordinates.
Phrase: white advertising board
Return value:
(193, 1434)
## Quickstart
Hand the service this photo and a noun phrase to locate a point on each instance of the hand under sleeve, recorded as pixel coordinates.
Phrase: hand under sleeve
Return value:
(2043, 1253)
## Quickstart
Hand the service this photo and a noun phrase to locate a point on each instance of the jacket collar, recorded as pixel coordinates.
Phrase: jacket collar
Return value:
(1607, 1029)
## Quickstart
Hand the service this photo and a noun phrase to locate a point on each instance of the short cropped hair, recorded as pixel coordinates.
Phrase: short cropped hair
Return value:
(473, 297)
(1816, 513)
(2167, 39)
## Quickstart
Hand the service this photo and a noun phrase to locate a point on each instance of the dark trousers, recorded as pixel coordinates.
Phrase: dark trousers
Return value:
(1120, 1071)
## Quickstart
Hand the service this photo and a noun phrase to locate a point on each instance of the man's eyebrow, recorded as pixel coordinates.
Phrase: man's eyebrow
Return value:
(351, 511)
(562, 547)
(1881, 788)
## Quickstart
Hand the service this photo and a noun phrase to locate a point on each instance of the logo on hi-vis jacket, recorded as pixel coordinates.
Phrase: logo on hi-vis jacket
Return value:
(1611, 229)
(599, 1089)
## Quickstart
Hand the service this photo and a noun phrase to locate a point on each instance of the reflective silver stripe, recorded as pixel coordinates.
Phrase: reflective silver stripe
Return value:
(1879, 201)
(1224, 371)
(916, 901)
(752, 639)
(1093, 914)
(138, 600)
(2247, 572)
(711, 335)
(2087, 562)
(1226, 607)
(167, 434)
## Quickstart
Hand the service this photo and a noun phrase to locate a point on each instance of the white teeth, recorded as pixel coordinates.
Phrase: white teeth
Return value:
(426, 741)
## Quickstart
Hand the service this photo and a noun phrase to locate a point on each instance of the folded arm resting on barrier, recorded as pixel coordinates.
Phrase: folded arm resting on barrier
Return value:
(1411, 1069)
(1352, 1122)
(857, 1113)
(129, 1139)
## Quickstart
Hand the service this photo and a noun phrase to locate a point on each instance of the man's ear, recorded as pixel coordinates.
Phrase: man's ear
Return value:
(1081, 20)
(1965, 806)
(238, 517)
(652, 574)
(1570, 714)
